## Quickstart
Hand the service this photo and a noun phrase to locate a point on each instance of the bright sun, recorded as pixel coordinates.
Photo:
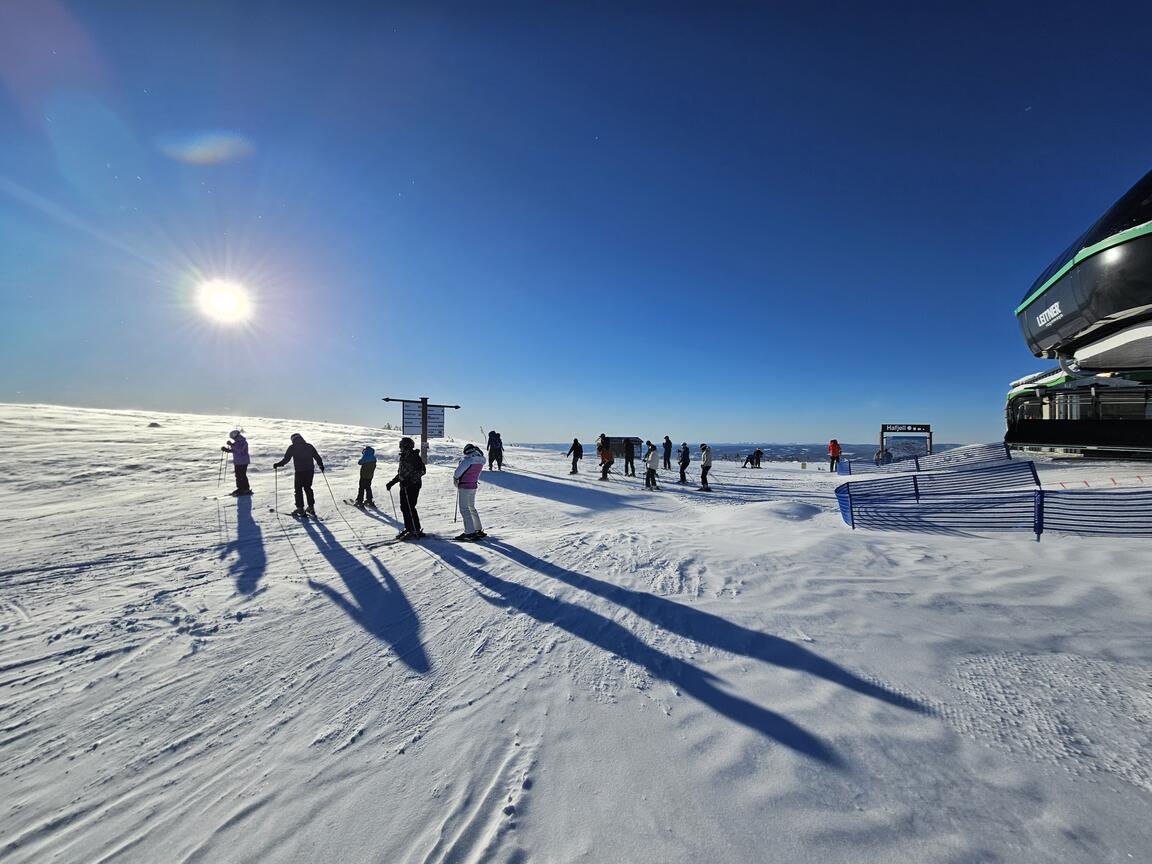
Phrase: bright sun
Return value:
(226, 302)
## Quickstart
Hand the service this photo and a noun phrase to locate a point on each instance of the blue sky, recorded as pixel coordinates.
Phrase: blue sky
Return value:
(715, 221)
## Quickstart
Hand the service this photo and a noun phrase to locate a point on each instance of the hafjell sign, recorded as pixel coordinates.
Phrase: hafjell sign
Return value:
(906, 427)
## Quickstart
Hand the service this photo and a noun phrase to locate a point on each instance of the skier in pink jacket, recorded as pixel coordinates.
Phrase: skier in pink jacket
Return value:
(466, 478)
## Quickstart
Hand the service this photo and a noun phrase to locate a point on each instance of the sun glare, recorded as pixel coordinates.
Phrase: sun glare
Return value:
(226, 302)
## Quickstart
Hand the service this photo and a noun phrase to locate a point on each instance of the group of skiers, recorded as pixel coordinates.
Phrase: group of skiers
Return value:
(651, 459)
(410, 472)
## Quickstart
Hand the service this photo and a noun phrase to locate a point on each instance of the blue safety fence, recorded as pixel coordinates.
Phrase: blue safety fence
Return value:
(1004, 498)
(958, 457)
(945, 484)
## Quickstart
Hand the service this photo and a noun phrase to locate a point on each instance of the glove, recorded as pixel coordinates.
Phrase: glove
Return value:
(223, 449)
(456, 482)
(388, 485)
(321, 469)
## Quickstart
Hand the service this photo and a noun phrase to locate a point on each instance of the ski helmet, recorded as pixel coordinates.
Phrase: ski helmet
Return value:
(234, 434)
(407, 444)
(470, 448)
(296, 436)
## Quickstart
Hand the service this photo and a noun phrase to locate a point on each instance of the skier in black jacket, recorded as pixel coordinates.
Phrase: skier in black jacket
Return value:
(629, 458)
(685, 458)
(302, 455)
(576, 451)
(667, 453)
(409, 475)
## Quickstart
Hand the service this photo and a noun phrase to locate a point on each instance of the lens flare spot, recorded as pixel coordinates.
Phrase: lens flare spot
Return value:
(226, 302)
(213, 147)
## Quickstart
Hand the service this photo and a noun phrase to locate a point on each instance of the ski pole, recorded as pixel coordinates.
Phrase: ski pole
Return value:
(456, 509)
(393, 497)
(276, 489)
(220, 474)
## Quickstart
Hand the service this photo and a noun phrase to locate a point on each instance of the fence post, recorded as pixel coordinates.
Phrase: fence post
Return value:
(916, 488)
(851, 508)
(1035, 476)
(1007, 449)
(1038, 514)
(916, 459)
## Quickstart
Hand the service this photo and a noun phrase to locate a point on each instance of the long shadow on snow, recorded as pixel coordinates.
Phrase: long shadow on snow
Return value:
(607, 634)
(578, 494)
(251, 560)
(709, 629)
(381, 609)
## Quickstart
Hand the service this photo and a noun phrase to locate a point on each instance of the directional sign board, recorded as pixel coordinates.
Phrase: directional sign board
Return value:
(411, 422)
(902, 427)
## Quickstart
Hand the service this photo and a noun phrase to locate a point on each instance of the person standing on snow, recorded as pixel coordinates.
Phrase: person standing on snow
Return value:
(705, 467)
(604, 451)
(629, 458)
(667, 453)
(576, 451)
(408, 475)
(238, 446)
(685, 458)
(466, 478)
(367, 465)
(833, 454)
(302, 454)
(495, 450)
(651, 464)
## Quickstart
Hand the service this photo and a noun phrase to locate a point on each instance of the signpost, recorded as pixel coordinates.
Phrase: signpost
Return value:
(887, 429)
(423, 419)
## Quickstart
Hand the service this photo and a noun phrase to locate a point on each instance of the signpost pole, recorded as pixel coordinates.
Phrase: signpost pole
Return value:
(424, 428)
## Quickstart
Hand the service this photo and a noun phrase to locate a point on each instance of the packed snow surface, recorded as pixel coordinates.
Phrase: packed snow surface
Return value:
(614, 676)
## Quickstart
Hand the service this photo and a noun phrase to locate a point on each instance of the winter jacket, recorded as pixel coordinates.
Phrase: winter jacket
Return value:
(576, 450)
(604, 451)
(302, 454)
(411, 469)
(629, 449)
(467, 473)
(706, 457)
(834, 450)
(239, 450)
(369, 456)
(652, 459)
(667, 448)
(495, 444)
(685, 455)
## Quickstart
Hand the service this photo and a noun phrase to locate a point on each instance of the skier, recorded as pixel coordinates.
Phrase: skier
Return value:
(495, 451)
(466, 478)
(408, 475)
(629, 458)
(367, 465)
(651, 464)
(833, 454)
(576, 451)
(238, 446)
(667, 453)
(604, 451)
(705, 467)
(685, 458)
(302, 454)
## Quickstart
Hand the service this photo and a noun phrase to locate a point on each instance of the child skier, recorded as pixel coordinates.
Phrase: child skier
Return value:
(238, 446)
(302, 455)
(604, 451)
(367, 465)
(408, 475)
(651, 464)
(705, 467)
(466, 478)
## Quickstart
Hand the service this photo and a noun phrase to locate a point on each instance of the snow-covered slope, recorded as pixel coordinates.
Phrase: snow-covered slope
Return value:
(618, 675)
